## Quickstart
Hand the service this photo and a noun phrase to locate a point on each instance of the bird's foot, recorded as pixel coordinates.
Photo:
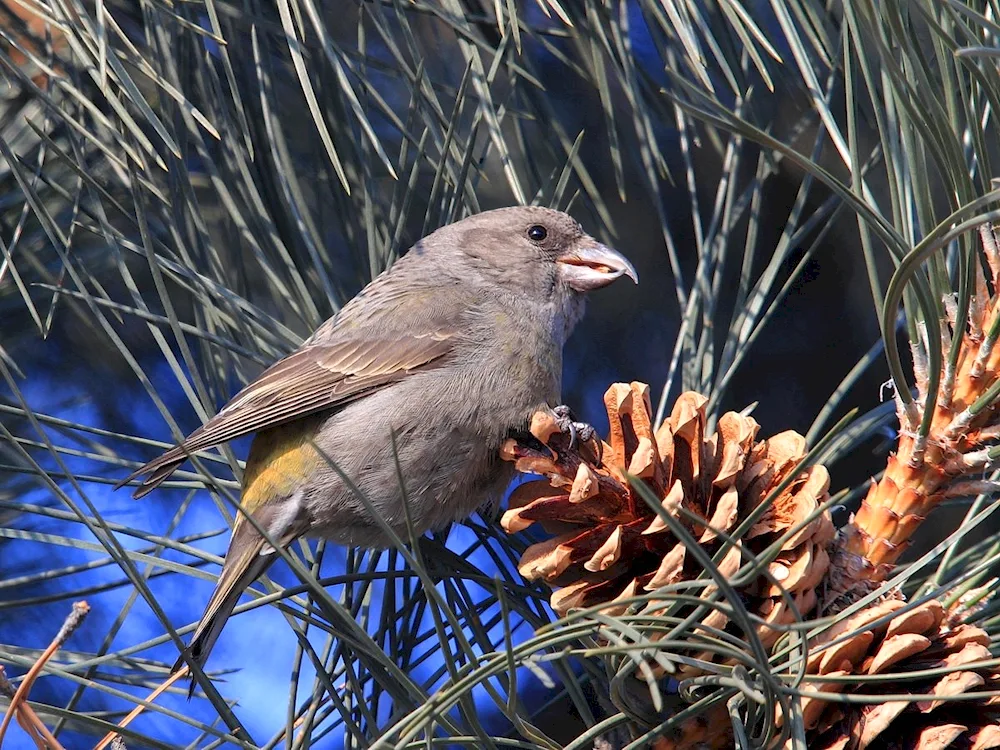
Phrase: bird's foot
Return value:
(582, 435)
(569, 426)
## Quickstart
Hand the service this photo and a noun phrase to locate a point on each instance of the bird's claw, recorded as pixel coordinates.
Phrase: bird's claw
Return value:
(581, 433)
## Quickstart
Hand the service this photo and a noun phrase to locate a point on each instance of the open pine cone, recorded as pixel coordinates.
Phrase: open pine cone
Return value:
(925, 637)
(897, 643)
(609, 545)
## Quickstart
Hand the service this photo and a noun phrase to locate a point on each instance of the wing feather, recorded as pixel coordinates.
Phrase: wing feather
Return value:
(314, 378)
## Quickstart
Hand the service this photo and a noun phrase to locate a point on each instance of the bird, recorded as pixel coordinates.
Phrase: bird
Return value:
(435, 363)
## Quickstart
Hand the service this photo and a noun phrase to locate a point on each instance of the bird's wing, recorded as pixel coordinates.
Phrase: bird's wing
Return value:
(315, 378)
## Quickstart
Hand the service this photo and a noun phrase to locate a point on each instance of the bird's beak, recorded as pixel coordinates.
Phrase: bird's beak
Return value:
(593, 266)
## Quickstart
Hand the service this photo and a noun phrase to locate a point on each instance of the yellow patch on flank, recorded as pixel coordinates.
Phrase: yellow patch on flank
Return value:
(281, 460)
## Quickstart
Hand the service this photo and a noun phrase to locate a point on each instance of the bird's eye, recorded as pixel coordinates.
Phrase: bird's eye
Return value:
(537, 233)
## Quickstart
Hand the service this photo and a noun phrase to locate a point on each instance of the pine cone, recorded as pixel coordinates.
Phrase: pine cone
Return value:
(914, 640)
(609, 545)
(919, 638)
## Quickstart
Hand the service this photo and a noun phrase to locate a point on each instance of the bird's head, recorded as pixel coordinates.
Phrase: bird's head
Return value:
(536, 250)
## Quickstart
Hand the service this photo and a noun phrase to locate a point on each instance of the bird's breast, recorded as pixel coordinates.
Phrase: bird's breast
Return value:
(509, 363)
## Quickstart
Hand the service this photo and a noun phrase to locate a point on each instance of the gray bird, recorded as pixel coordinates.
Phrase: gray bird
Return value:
(452, 350)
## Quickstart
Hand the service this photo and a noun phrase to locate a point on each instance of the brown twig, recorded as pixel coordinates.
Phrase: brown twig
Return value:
(110, 737)
(19, 707)
(26, 716)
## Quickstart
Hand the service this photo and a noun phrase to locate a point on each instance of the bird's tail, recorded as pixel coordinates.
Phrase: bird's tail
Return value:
(244, 564)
